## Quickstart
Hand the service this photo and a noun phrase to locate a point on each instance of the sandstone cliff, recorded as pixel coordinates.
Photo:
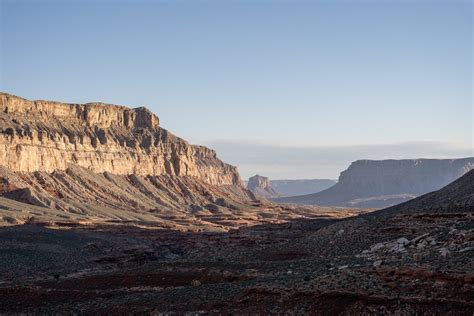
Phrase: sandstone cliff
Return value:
(51, 136)
(371, 183)
(261, 187)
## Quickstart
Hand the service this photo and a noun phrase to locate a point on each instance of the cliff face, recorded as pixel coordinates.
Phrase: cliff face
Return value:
(91, 114)
(261, 187)
(371, 183)
(387, 177)
(50, 136)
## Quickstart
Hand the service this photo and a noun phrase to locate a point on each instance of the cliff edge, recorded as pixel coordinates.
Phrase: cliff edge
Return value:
(50, 136)
(382, 183)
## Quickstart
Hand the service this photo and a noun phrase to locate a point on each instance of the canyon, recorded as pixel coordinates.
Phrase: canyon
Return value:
(103, 211)
(415, 258)
(97, 163)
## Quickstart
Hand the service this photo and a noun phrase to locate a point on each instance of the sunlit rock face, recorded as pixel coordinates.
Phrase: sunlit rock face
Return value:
(50, 136)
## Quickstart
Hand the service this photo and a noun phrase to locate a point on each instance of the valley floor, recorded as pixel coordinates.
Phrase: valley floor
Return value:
(405, 265)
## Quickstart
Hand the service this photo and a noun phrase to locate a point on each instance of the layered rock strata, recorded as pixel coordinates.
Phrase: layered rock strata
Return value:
(50, 136)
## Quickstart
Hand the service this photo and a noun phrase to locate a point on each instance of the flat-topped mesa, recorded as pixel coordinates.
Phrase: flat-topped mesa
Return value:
(49, 136)
(382, 183)
(90, 114)
(412, 176)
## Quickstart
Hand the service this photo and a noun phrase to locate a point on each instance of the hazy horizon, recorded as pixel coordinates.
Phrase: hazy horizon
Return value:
(284, 89)
(323, 162)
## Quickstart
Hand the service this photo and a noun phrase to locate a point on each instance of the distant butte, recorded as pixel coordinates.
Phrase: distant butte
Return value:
(260, 186)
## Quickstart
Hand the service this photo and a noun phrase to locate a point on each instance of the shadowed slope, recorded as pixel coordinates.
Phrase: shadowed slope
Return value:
(383, 183)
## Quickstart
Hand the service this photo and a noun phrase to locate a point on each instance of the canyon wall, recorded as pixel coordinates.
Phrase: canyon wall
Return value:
(410, 176)
(51, 136)
(380, 183)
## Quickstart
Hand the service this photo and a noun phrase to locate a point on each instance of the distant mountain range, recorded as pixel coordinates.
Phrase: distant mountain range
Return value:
(302, 186)
(382, 183)
(263, 187)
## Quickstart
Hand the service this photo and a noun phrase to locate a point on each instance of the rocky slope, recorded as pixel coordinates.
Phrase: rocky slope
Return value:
(370, 183)
(411, 259)
(77, 195)
(71, 164)
(50, 136)
(261, 187)
(301, 186)
(98, 162)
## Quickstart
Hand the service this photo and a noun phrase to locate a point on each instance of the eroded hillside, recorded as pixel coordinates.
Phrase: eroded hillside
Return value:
(94, 163)
(50, 136)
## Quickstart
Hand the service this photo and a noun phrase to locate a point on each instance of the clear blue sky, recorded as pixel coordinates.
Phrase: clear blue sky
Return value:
(281, 74)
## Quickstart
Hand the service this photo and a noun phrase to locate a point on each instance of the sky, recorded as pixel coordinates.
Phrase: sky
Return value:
(286, 89)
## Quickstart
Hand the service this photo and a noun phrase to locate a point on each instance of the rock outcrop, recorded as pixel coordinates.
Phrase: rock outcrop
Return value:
(371, 183)
(260, 186)
(49, 136)
(77, 195)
